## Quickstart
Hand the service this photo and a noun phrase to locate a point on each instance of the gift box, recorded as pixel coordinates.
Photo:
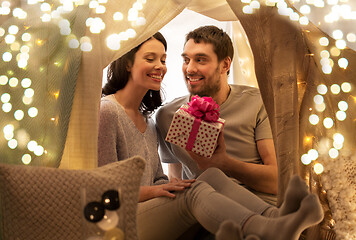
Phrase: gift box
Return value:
(196, 126)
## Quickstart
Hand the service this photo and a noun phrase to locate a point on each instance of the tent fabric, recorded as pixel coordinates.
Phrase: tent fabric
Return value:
(287, 66)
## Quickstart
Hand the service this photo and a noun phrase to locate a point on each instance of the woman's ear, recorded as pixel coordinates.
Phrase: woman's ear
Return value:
(129, 66)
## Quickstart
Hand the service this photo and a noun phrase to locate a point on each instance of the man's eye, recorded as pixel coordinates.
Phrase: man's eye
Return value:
(163, 62)
(186, 60)
(149, 59)
(201, 60)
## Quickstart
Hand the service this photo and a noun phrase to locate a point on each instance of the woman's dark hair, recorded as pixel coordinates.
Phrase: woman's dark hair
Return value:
(118, 77)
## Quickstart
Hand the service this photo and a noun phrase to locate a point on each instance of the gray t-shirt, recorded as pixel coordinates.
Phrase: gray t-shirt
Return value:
(246, 121)
(119, 139)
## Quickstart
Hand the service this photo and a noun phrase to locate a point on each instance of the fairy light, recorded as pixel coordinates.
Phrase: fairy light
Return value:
(303, 20)
(19, 114)
(26, 83)
(93, 4)
(118, 16)
(19, 13)
(322, 89)
(85, 44)
(73, 43)
(338, 34)
(255, 4)
(313, 119)
(324, 54)
(333, 153)
(5, 97)
(29, 92)
(247, 9)
(346, 87)
(305, 9)
(6, 107)
(343, 106)
(337, 145)
(305, 159)
(335, 89)
(318, 168)
(13, 82)
(26, 159)
(324, 41)
(340, 44)
(341, 115)
(31, 145)
(318, 99)
(351, 37)
(113, 42)
(343, 63)
(45, 7)
(38, 151)
(327, 69)
(328, 123)
(7, 57)
(46, 17)
(25, 49)
(320, 107)
(3, 80)
(313, 154)
(32, 112)
(12, 143)
(15, 46)
(335, 51)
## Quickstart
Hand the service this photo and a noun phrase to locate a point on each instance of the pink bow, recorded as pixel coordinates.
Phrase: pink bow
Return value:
(204, 108)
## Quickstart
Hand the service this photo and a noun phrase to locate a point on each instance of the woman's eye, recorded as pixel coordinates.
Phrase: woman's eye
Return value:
(149, 59)
(163, 61)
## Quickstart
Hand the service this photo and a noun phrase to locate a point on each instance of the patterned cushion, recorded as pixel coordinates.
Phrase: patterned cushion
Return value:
(47, 203)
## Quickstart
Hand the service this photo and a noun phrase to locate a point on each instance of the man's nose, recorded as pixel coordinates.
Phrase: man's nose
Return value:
(191, 68)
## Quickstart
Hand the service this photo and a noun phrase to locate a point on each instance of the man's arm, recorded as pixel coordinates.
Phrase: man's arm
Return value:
(260, 177)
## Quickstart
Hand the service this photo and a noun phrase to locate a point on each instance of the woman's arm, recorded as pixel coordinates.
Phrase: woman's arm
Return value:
(107, 135)
(163, 190)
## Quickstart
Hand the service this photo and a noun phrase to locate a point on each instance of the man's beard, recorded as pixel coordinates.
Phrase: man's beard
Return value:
(210, 88)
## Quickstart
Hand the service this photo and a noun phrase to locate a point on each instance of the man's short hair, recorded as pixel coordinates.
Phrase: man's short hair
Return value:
(221, 42)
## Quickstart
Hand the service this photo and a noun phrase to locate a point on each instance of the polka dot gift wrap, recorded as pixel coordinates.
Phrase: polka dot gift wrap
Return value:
(194, 134)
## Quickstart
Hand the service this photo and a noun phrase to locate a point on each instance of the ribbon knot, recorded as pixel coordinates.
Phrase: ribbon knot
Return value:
(204, 108)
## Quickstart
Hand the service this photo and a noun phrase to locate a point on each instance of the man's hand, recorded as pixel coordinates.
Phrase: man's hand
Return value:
(216, 160)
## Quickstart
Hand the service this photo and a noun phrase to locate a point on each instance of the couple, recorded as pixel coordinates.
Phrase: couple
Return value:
(167, 208)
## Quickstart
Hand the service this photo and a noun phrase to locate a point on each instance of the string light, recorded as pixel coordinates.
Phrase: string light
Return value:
(318, 168)
(346, 87)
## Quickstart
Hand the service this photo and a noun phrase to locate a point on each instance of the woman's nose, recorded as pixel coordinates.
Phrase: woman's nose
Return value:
(159, 65)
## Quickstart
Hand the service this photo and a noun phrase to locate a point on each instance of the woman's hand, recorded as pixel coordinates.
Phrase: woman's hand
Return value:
(164, 190)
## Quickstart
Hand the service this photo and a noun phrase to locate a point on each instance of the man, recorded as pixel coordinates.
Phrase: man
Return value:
(248, 155)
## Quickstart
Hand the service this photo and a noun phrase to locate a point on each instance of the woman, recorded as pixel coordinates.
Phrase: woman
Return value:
(167, 209)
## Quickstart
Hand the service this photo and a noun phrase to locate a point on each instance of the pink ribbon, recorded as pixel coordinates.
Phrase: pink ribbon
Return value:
(193, 134)
(204, 108)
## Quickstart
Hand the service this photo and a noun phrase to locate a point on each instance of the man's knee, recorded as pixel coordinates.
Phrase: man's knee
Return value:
(210, 173)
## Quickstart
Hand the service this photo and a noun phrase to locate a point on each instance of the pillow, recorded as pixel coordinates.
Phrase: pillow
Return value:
(48, 203)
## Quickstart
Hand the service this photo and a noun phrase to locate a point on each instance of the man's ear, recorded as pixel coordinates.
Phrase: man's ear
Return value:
(225, 65)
